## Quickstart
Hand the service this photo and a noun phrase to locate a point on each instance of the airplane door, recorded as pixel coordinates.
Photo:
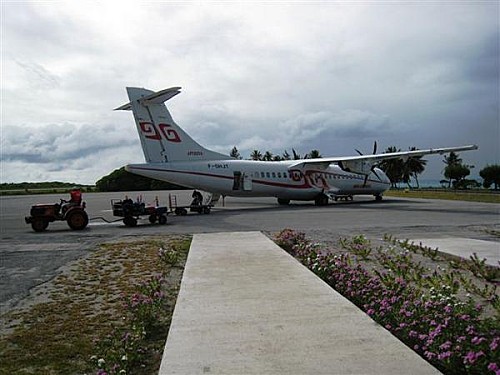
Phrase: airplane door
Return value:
(237, 180)
(247, 182)
(242, 181)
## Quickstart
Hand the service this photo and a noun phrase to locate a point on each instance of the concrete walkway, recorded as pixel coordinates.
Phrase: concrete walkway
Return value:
(465, 247)
(247, 307)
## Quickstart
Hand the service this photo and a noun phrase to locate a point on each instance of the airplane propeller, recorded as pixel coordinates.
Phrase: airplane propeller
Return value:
(374, 149)
(372, 169)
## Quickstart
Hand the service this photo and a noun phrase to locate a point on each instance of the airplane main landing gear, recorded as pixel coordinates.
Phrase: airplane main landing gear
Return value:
(283, 201)
(321, 200)
(378, 197)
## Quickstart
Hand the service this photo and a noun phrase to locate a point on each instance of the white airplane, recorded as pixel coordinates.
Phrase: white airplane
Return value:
(172, 155)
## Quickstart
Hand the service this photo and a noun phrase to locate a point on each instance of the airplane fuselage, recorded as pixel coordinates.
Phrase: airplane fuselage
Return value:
(262, 178)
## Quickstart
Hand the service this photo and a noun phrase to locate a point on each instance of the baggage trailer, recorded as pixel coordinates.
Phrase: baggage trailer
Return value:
(132, 211)
(201, 208)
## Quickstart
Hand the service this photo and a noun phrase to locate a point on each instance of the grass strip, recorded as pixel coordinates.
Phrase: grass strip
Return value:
(92, 302)
(446, 195)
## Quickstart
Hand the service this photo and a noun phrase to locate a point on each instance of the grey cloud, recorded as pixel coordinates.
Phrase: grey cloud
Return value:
(60, 143)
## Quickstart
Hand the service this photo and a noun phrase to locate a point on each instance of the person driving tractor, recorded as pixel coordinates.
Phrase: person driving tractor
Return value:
(76, 196)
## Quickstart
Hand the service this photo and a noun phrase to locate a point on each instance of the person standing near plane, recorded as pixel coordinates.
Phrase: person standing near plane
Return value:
(197, 198)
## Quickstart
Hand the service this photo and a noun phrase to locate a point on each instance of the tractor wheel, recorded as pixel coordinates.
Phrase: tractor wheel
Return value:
(130, 221)
(39, 224)
(77, 219)
(206, 210)
(152, 219)
(162, 220)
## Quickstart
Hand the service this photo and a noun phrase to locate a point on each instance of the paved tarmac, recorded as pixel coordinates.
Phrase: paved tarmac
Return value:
(465, 247)
(28, 259)
(247, 307)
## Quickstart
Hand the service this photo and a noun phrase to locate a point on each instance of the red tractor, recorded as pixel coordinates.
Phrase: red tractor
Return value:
(73, 212)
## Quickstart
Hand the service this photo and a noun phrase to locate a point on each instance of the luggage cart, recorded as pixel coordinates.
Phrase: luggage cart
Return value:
(175, 208)
(132, 211)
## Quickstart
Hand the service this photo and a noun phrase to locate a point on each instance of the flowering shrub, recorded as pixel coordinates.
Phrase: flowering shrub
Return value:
(144, 305)
(288, 238)
(358, 245)
(120, 351)
(427, 315)
(169, 256)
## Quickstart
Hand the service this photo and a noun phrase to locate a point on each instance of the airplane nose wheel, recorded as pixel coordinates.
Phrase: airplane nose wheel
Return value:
(378, 197)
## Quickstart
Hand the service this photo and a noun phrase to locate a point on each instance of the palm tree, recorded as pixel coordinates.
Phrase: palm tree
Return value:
(268, 156)
(314, 154)
(286, 155)
(451, 160)
(393, 168)
(415, 166)
(256, 155)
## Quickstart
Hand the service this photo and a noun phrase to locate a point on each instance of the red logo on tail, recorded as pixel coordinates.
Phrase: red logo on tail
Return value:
(169, 134)
(150, 132)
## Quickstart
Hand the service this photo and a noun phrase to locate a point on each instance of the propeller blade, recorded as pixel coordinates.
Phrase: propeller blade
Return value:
(375, 173)
(374, 147)
(359, 152)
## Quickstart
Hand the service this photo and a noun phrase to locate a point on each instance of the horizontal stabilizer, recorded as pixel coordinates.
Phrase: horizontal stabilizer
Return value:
(154, 98)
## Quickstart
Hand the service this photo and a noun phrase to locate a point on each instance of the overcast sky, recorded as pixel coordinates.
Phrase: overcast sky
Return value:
(332, 76)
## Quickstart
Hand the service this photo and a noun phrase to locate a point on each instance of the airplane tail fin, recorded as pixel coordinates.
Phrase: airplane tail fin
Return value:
(162, 140)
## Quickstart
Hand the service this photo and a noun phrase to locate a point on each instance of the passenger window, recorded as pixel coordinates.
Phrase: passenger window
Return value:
(279, 174)
(274, 175)
(268, 175)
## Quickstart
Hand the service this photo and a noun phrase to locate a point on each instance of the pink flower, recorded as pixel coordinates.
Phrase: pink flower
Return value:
(494, 343)
(472, 357)
(445, 346)
(444, 355)
(429, 355)
(493, 367)
(477, 340)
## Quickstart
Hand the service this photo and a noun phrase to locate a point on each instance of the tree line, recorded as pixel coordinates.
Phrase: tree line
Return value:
(121, 180)
(269, 156)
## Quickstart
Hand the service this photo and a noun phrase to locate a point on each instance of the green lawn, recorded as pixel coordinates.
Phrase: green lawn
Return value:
(470, 196)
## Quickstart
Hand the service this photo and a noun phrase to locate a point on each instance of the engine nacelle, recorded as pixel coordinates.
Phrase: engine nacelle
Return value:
(356, 166)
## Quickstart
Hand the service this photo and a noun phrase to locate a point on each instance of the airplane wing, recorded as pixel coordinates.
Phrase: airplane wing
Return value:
(363, 164)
